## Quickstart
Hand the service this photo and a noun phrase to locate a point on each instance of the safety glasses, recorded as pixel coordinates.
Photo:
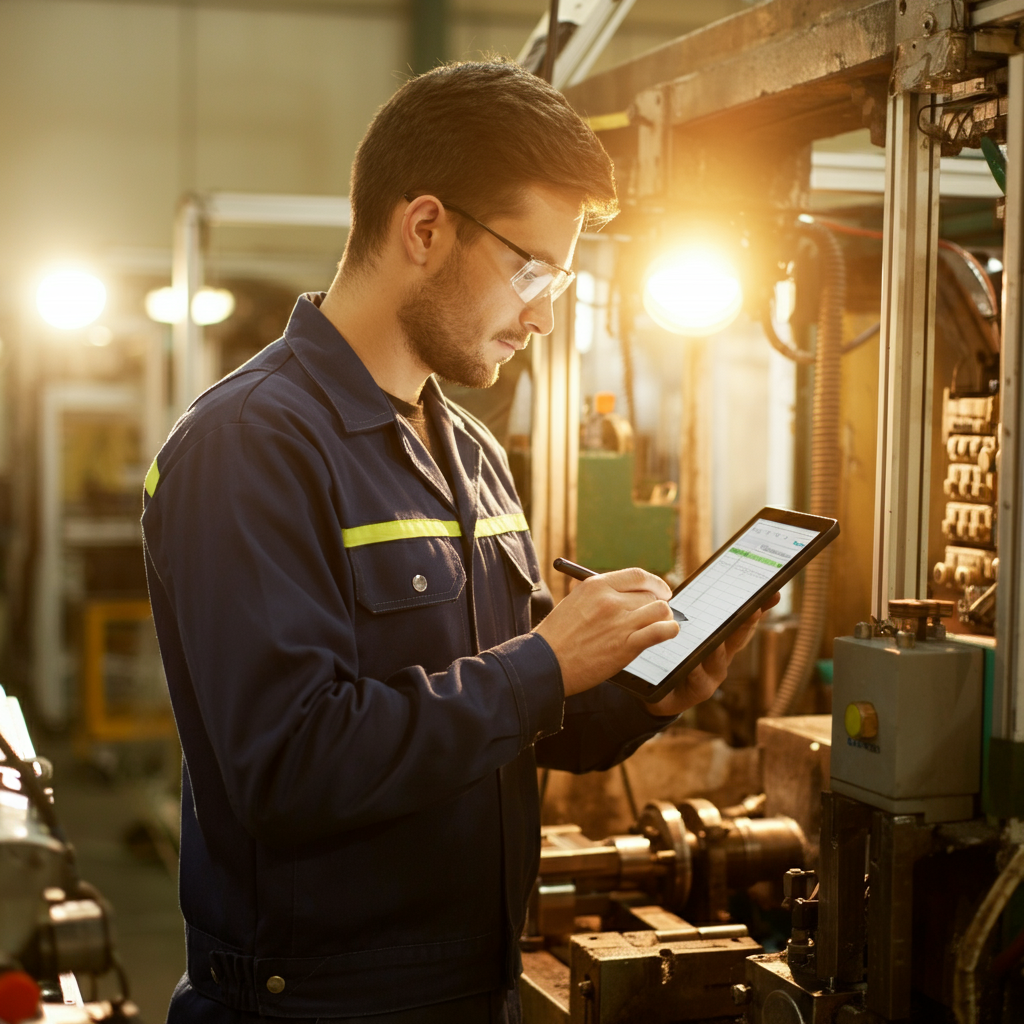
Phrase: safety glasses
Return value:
(538, 279)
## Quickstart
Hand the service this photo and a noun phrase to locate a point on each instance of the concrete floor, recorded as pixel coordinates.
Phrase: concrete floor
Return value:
(96, 813)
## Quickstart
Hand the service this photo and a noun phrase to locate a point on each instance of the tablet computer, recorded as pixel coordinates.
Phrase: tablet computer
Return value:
(725, 591)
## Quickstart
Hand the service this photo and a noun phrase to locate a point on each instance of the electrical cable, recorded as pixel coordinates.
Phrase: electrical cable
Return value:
(965, 993)
(972, 261)
(798, 355)
(825, 464)
(860, 339)
(806, 358)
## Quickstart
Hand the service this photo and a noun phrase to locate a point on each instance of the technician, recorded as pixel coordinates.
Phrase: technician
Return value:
(341, 577)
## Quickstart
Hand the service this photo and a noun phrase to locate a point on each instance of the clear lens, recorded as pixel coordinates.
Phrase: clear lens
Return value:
(538, 279)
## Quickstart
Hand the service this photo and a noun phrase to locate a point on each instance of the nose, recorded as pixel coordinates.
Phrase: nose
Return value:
(538, 316)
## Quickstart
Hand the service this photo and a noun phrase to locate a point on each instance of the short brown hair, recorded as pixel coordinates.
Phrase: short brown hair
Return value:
(476, 135)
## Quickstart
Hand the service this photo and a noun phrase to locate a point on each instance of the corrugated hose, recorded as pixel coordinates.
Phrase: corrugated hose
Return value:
(825, 464)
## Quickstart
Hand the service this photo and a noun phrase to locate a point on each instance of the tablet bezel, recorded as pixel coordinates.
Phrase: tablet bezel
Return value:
(827, 529)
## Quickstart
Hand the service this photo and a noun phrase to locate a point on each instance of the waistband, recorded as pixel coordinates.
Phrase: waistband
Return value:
(364, 982)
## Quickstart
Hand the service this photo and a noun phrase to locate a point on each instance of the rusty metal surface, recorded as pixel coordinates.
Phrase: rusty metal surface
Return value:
(794, 64)
(897, 843)
(544, 989)
(845, 825)
(624, 978)
(795, 755)
(774, 994)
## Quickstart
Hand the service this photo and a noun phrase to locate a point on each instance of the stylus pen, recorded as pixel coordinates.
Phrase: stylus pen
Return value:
(577, 572)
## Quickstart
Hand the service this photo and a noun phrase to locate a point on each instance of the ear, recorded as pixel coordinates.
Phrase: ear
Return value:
(427, 231)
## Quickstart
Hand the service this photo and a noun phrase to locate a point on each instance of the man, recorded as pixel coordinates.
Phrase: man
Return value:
(341, 578)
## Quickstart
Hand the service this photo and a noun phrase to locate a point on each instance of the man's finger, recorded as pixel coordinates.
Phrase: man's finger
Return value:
(625, 580)
(655, 633)
(652, 611)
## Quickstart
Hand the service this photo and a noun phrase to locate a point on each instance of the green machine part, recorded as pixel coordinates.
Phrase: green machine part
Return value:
(612, 530)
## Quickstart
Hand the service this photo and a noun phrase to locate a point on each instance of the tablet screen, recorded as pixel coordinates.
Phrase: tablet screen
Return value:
(708, 601)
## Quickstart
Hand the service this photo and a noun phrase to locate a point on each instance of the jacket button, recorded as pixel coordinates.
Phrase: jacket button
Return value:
(275, 984)
(419, 583)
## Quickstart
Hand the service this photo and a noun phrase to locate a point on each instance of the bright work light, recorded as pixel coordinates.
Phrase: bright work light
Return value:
(695, 292)
(165, 305)
(209, 305)
(212, 305)
(70, 299)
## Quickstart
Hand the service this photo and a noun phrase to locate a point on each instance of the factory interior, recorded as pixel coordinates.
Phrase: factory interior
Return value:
(812, 299)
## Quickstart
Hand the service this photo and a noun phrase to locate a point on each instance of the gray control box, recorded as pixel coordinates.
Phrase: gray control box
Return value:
(906, 726)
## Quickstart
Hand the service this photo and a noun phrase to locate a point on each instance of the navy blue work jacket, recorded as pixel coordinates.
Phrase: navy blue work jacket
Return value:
(359, 696)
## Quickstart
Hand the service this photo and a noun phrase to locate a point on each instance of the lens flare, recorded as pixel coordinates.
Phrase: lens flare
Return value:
(212, 305)
(694, 293)
(166, 305)
(70, 299)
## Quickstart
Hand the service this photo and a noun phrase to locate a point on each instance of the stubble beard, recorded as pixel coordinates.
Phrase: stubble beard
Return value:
(443, 335)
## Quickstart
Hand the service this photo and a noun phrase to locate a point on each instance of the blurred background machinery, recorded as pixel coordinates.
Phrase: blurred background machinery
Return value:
(56, 931)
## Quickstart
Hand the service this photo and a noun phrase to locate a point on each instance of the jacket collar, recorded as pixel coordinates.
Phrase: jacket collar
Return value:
(329, 359)
(362, 406)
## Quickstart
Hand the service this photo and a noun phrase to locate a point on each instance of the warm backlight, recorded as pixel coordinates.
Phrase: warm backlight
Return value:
(694, 292)
(70, 299)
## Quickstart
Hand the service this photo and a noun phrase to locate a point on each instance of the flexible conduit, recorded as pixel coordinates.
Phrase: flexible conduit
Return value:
(825, 464)
(965, 989)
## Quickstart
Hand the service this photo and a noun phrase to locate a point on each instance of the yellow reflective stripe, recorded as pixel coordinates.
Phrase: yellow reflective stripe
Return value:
(398, 529)
(514, 522)
(606, 122)
(152, 479)
(403, 529)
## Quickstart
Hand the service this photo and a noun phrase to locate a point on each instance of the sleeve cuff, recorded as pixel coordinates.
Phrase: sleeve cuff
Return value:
(536, 679)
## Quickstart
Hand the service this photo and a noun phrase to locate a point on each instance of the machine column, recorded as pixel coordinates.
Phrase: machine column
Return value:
(1007, 753)
(906, 355)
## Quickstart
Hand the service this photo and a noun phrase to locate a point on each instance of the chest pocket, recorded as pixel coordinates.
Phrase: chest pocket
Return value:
(397, 575)
(522, 573)
(522, 559)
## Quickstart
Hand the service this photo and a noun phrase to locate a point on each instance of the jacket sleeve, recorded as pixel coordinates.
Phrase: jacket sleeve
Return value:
(247, 550)
(601, 727)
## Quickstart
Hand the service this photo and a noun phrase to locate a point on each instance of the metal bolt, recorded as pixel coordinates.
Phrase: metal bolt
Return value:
(863, 631)
(586, 987)
(905, 638)
(741, 994)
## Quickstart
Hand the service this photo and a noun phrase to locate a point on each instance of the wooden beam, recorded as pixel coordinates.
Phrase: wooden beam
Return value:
(773, 57)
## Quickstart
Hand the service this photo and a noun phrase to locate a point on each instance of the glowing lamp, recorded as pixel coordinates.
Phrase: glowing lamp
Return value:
(165, 305)
(70, 299)
(212, 305)
(695, 293)
(209, 305)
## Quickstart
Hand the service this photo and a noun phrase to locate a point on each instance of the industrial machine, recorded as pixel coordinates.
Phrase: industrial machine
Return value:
(902, 885)
(55, 929)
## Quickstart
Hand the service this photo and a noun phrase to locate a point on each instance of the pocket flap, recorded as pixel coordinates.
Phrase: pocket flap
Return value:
(409, 573)
(522, 556)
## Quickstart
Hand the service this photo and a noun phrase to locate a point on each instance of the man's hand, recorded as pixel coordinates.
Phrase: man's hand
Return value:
(702, 682)
(605, 622)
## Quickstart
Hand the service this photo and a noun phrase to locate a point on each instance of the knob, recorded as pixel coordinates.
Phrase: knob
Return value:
(861, 720)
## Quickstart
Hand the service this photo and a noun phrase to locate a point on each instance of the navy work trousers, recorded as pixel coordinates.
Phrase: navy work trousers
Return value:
(190, 1007)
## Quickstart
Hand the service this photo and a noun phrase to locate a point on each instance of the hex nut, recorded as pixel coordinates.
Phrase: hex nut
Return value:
(741, 994)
